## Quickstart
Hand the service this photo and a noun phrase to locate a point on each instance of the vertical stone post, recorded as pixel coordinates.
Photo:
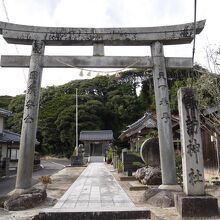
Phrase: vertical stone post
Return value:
(192, 155)
(218, 150)
(30, 116)
(193, 202)
(98, 49)
(167, 154)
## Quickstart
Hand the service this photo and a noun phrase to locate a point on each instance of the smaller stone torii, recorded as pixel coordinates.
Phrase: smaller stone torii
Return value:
(39, 37)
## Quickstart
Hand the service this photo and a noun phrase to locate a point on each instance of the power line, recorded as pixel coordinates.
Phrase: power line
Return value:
(6, 12)
(194, 33)
(16, 48)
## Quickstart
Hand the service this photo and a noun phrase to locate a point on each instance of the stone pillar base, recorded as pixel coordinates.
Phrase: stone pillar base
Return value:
(77, 161)
(20, 191)
(175, 188)
(196, 206)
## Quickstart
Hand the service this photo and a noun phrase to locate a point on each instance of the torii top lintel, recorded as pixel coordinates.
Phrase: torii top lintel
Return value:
(55, 36)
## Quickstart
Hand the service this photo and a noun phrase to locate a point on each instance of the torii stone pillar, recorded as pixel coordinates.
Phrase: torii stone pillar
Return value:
(167, 154)
(30, 116)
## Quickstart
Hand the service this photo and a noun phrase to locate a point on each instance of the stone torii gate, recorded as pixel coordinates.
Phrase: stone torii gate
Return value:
(39, 37)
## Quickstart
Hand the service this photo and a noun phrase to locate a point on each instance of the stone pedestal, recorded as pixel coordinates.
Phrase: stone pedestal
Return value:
(25, 201)
(196, 206)
(77, 161)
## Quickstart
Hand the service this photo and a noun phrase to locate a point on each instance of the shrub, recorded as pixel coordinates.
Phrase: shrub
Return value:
(120, 166)
(179, 170)
(138, 164)
(45, 180)
(109, 155)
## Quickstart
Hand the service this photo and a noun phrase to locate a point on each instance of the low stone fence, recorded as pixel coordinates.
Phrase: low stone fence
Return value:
(4, 167)
(37, 164)
(128, 159)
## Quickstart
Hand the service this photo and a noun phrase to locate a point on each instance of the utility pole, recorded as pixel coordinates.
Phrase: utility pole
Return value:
(76, 118)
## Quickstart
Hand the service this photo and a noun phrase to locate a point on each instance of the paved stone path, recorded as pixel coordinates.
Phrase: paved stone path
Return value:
(95, 189)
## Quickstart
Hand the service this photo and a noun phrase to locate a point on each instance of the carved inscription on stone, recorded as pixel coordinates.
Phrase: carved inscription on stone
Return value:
(28, 119)
(161, 76)
(190, 104)
(165, 116)
(37, 46)
(192, 123)
(186, 32)
(195, 176)
(31, 95)
(33, 75)
(164, 101)
(30, 104)
(32, 83)
(81, 35)
(162, 80)
(193, 168)
(193, 148)
(192, 126)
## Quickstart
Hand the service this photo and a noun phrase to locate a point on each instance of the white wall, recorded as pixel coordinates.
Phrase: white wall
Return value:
(4, 151)
(1, 124)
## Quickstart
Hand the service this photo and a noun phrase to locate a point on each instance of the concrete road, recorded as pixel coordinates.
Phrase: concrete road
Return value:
(50, 167)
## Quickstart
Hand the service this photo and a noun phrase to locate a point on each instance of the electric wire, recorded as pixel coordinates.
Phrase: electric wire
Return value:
(194, 32)
(16, 48)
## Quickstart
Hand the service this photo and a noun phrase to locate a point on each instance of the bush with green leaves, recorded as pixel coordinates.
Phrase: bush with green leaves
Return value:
(109, 155)
(120, 166)
(179, 170)
(138, 164)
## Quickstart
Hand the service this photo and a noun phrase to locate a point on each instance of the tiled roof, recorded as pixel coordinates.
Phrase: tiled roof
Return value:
(4, 112)
(147, 121)
(102, 135)
(9, 136)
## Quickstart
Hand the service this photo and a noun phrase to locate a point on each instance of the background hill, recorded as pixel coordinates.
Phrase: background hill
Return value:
(104, 102)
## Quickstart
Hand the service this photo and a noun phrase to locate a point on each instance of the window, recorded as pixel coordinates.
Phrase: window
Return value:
(13, 154)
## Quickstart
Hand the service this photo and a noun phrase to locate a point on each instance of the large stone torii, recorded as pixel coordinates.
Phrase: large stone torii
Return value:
(39, 37)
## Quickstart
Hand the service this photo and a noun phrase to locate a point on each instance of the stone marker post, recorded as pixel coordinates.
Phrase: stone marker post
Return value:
(30, 116)
(192, 156)
(167, 154)
(193, 202)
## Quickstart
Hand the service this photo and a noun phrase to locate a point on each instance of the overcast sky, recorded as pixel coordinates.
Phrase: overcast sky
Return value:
(103, 13)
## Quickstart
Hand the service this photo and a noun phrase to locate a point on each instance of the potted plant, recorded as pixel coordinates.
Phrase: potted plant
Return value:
(45, 180)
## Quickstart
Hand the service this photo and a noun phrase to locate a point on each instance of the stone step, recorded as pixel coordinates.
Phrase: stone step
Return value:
(96, 159)
(137, 186)
(68, 214)
(127, 178)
